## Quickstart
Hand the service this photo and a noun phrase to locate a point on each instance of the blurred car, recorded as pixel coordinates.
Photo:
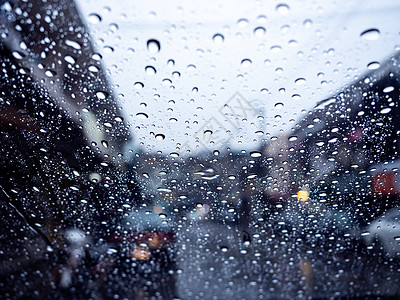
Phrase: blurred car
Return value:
(143, 246)
(385, 232)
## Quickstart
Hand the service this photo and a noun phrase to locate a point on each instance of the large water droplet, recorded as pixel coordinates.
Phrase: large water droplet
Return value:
(300, 81)
(104, 143)
(101, 95)
(138, 85)
(73, 44)
(150, 70)
(255, 154)
(153, 46)
(282, 9)
(69, 59)
(160, 137)
(246, 63)
(142, 116)
(385, 110)
(218, 38)
(94, 18)
(259, 31)
(370, 34)
(373, 65)
(242, 22)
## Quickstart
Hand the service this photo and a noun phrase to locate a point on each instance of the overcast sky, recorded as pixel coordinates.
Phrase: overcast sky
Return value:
(231, 73)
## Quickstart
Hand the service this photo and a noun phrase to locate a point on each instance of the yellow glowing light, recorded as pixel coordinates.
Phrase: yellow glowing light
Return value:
(302, 195)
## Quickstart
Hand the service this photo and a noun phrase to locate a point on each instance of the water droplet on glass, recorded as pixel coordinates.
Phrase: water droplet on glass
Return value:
(255, 154)
(73, 44)
(218, 38)
(170, 63)
(150, 70)
(279, 105)
(118, 119)
(292, 138)
(276, 49)
(176, 75)
(208, 132)
(101, 95)
(224, 249)
(153, 46)
(93, 69)
(370, 34)
(388, 89)
(142, 116)
(174, 154)
(18, 55)
(97, 56)
(50, 73)
(138, 85)
(104, 143)
(259, 31)
(300, 81)
(69, 59)
(296, 97)
(307, 23)
(373, 65)
(385, 110)
(173, 120)
(108, 49)
(282, 9)
(94, 18)
(216, 152)
(191, 68)
(246, 63)
(160, 137)
(242, 22)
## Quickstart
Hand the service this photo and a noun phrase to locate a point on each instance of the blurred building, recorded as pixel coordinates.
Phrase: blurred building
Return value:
(335, 146)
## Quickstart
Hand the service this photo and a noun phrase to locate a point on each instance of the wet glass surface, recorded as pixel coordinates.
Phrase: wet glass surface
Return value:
(216, 150)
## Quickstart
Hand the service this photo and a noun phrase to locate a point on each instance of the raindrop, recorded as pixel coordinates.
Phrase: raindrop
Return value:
(208, 132)
(216, 152)
(101, 95)
(94, 18)
(50, 73)
(259, 31)
(170, 63)
(319, 144)
(385, 110)
(69, 59)
(73, 44)
(296, 97)
(373, 65)
(153, 46)
(176, 75)
(119, 119)
(370, 34)
(166, 82)
(242, 22)
(279, 105)
(104, 143)
(138, 85)
(108, 124)
(18, 55)
(388, 89)
(300, 81)
(246, 63)
(224, 249)
(333, 140)
(142, 116)
(97, 56)
(292, 138)
(282, 9)
(218, 38)
(150, 70)
(93, 69)
(173, 120)
(264, 91)
(191, 68)
(108, 49)
(160, 137)
(307, 23)
(255, 154)
(276, 49)
(262, 18)
(174, 154)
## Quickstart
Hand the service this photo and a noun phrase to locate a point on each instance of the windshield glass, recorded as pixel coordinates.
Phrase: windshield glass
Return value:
(185, 150)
